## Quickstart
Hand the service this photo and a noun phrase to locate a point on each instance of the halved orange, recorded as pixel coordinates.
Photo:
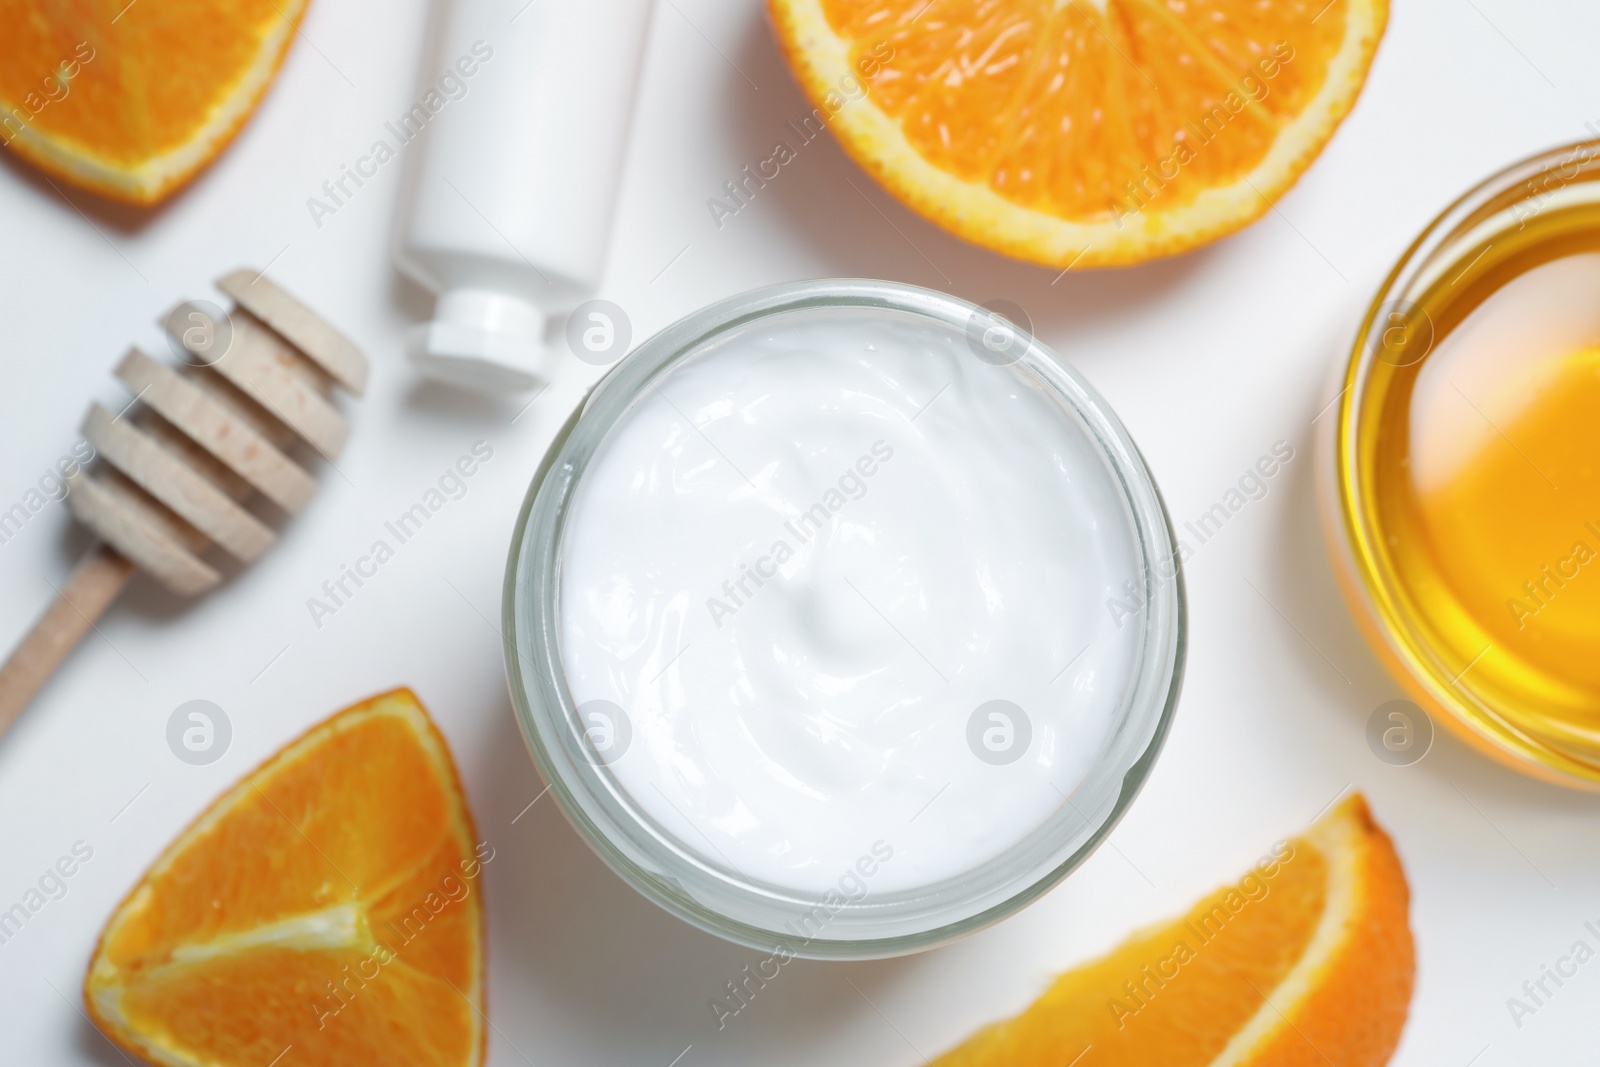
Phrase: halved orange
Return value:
(1083, 132)
(1307, 961)
(326, 910)
(130, 98)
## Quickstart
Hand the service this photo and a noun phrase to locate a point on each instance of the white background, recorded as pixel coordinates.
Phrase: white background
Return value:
(1209, 359)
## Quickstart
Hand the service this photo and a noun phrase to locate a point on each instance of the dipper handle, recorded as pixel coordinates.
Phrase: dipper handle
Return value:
(91, 589)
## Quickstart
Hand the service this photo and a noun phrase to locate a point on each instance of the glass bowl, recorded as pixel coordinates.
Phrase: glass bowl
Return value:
(1534, 213)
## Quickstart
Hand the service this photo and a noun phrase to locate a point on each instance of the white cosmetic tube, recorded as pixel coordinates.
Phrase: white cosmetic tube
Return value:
(523, 114)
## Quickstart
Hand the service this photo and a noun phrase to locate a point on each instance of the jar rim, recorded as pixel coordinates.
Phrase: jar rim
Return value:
(685, 882)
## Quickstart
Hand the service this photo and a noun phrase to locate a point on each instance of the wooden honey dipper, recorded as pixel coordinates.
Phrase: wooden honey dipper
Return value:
(207, 438)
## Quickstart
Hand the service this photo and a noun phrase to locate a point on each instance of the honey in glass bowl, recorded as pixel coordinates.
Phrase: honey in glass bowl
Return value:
(1466, 467)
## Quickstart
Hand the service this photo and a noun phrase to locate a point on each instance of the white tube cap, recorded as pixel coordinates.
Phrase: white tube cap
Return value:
(482, 339)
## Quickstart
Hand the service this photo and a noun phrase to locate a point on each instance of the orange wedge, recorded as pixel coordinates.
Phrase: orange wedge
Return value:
(324, 911)
(131, 99)
(1083, 132)
(1306, 962)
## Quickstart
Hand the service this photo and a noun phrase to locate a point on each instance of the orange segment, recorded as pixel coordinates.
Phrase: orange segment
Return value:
(330, 902)
(1084, 132)
(129, 100)
(954, 69)
(1307, 960)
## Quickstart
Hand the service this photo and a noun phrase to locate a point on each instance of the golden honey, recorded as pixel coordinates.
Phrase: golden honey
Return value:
(1467, 467)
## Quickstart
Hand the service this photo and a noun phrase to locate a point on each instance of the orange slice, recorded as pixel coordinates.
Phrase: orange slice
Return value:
(1083, 132)
(324, 911)
(1306, 961)
(131, 99)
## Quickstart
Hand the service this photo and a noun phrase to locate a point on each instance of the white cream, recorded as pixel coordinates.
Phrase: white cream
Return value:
(804, 562)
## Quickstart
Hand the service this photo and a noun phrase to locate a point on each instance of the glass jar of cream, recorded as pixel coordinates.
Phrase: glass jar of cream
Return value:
(1463, 489)
(843, 619)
